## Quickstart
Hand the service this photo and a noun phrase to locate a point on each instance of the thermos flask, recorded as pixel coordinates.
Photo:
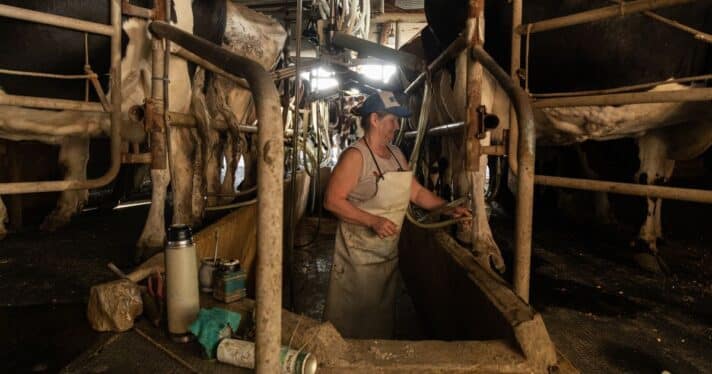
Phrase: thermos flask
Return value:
(182, 296)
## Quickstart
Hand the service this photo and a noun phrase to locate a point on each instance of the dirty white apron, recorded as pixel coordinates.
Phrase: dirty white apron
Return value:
(364, 276)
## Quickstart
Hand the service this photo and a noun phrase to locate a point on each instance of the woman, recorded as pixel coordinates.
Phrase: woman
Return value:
(369, 191)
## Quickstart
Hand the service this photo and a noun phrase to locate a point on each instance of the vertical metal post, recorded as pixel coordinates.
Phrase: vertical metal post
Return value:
(398, 35)
(515, 64)
(474, 30)
(525, 177)
(155, 113)
(292, 210)
(14, 202)
(115, 88)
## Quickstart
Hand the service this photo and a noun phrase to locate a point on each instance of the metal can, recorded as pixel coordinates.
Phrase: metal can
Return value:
(242, 353)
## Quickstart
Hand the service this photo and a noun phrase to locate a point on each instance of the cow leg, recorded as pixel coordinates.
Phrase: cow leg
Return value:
(249, 158)
(199, 184)
(212, 160)
(603, 213)
(3, 219)
(153, 235)
(207, 139)
(182, 152)
(232, 157)
(655, 169)
(73, 156)
(485, 248)
(477, 231)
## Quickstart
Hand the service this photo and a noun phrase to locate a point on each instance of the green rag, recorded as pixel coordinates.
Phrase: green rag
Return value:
(209, 325)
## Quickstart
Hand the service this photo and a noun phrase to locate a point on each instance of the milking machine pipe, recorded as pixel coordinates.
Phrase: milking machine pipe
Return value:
(378, 51)
(270, 170)
(457, 46)
(524, 171)
(115, 132)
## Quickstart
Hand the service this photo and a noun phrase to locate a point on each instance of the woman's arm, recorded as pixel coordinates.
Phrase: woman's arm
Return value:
(426, 199)
(343, 179)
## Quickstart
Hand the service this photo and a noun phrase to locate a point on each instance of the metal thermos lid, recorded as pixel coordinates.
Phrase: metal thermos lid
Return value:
(310, 365)
(179, 235)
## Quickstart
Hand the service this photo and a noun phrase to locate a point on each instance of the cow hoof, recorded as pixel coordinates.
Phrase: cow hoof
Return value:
(147, 247)
(652, 263)
(53, 223)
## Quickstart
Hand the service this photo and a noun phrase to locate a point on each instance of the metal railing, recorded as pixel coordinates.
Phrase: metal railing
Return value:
(603, 97)
(114, 32)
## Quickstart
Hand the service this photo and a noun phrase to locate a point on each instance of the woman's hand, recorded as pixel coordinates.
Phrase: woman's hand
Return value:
(458, 212)
(383, 227)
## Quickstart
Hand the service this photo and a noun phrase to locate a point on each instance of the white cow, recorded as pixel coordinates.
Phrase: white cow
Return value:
(664, 132)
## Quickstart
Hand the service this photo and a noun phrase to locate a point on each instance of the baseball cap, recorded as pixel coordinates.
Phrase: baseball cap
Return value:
(384, 102)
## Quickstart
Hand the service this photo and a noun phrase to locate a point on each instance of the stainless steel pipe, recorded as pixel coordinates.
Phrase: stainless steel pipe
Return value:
(457, 46)
(376, 50)
(270, 170)
(449, 129)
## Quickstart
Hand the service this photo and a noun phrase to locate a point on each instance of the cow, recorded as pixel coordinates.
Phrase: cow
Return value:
(235, 27)
(615, 52)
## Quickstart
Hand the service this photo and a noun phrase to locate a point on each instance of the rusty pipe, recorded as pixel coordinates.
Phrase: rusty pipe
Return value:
(270, 170)
(115, 131)
(50, 103)
(59, 21)
(692, 94)
(155, 106)
(598, 14)
(525, 172)
(672, 193)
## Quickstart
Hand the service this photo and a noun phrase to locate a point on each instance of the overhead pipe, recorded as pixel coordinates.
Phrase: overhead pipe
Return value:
(404, 17)
(115, 82)
(524, 168)
(368, 48)
(454, 49)
(270, 171)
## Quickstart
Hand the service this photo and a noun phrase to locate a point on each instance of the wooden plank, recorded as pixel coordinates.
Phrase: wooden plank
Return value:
(237, 238)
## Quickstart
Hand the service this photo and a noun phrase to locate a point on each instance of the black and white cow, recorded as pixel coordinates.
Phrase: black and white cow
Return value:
(27, 46)
(625, 50)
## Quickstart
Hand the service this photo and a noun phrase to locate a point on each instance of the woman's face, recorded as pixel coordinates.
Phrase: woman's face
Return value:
(387, 126)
